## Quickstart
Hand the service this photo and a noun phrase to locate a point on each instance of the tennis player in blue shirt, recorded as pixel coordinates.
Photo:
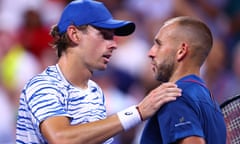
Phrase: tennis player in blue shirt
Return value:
(180, 48)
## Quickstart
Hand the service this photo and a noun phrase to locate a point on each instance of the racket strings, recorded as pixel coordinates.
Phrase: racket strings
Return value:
(231, 113)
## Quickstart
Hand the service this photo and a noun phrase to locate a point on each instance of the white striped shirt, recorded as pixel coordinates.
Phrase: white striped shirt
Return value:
(49, 94)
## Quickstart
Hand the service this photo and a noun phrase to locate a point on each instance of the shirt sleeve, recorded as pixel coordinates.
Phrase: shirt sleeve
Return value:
(45, 102)
(179, 119)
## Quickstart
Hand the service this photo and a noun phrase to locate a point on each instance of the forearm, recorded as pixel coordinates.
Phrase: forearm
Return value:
(192, 139)
(96, 132)
(58, 129)
(89, 133)
(123, 120)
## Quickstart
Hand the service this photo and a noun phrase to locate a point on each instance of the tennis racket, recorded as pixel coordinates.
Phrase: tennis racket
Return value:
(231, 111)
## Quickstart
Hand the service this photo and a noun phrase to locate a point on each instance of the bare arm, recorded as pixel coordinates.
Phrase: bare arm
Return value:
(57, 130)
(192, 140)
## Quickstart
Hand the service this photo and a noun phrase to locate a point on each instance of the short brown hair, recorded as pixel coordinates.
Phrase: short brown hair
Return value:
(62, 41)
(198, 34)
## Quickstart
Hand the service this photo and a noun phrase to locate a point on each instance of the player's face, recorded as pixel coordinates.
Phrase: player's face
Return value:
(98, 47)
(163, 55)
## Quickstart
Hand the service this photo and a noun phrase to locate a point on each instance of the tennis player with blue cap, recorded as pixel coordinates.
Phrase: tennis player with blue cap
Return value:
(93, 13)
(62, 105)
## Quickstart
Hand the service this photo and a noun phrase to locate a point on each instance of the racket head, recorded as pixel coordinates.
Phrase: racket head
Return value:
(231, 111)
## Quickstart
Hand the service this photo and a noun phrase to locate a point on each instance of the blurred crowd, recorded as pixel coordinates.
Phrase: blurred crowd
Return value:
(25, 51)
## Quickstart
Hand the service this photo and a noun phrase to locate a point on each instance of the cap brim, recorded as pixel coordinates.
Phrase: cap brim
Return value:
(121, 28)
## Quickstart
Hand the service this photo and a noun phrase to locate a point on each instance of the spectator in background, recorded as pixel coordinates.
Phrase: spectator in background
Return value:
(235, 85)
(150, 13)
(33, 34)
(214, 70)
(35, 37)
(210, 11)
(232, 10)
(17, 66)
(11, 12)
(228, 85)
(7, 128)
(7, 111)
(130, 60)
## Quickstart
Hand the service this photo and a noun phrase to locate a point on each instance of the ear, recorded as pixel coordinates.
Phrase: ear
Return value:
(182, 51)
(73, 33)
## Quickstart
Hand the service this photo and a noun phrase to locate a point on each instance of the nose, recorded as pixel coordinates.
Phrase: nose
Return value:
(151, 53)
(112, 44)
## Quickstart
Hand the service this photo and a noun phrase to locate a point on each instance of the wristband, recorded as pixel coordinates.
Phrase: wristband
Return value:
(129, 117)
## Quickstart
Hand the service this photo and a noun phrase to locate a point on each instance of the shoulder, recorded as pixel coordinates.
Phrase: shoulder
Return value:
(49, 80)
(192, 86)
(194, 92)
(49, 75)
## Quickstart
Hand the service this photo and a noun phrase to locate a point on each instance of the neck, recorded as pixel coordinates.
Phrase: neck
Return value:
(75, 73)
(184, 71)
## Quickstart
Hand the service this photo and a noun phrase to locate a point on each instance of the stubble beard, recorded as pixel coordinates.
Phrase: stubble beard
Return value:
(165, 71)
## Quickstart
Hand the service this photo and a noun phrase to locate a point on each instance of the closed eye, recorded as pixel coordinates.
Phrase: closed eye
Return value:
(158, 42)
(107, 34)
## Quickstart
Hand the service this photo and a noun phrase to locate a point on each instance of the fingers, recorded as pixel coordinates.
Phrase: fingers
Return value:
(167, 85)
(165, 92)
(159, 96)
(166, 98)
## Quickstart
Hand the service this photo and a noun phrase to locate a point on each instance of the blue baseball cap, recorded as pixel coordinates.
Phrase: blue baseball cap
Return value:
(90, 12)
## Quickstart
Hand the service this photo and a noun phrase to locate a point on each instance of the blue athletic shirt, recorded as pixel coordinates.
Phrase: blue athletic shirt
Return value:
(50, 94)
(193, 114)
